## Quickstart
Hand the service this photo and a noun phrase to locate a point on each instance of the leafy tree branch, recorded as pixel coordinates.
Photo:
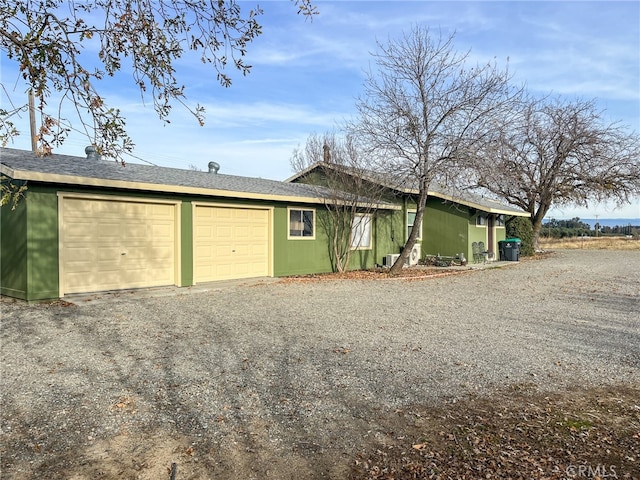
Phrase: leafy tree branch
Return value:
(52, 42)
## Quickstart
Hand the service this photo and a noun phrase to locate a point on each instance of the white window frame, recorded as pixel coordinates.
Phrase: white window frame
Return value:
(500, 222)
(301, 223)
(362, 232)
(482, 220)
(411, 225)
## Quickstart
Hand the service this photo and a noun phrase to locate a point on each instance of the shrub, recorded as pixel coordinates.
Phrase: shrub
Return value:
(520, 227)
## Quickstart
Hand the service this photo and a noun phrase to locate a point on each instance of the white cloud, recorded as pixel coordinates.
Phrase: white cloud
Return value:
(306, 74)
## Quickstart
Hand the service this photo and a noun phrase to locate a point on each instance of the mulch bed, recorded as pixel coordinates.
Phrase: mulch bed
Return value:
(375, 274)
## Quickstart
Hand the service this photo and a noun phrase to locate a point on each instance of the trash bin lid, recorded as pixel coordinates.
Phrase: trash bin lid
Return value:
(517, 240)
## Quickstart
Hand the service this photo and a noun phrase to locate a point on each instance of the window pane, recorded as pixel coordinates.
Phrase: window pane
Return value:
(301, 223)
(308, 223)
(295, 223)
(411, 220)
(361, 232)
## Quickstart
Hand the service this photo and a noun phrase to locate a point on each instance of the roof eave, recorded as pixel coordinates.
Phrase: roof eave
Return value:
(479, 206)
(54, 178)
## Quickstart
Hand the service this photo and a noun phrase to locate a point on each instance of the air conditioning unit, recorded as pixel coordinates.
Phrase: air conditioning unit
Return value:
(415, 254)
(390, 259)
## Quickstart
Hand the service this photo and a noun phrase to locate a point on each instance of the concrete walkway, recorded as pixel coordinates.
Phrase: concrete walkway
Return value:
(172, 290)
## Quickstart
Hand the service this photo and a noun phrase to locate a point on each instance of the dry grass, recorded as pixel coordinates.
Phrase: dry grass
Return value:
(592, 243)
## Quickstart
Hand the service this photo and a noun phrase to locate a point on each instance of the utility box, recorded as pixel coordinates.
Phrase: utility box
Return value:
(509, 249)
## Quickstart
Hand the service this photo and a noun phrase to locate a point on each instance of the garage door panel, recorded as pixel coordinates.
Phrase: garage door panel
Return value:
(146, 258)
(230, 243)
(163, 231)
(108, 245)
(242, 233)
(223, 231)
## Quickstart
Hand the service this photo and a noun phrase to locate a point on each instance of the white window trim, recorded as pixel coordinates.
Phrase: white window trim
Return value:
(419, 237)
(367, 218)
(294, 237)
(486, 220)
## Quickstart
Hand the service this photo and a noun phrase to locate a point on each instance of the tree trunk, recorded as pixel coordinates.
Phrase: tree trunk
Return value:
(537, 228)
(536, 223)
(411, 241)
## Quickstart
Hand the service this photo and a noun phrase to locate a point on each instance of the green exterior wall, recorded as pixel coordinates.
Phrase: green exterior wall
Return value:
(29, 240)
(300, 255)
(13, 250)
(390, 233)
(30, 247)
(480, 234)
(476, 234)
(42, 245)
(29, 237)
(305, 256)
(445, 228)
(186, 244)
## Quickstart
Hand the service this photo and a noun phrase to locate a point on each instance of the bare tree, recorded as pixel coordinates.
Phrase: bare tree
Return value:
(52, 42)
(336, 167)
(424, 107)
(557, 152)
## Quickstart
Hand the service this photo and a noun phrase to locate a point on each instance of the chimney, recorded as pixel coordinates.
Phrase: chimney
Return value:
(327, 153)
(214, 167)
(92, 153)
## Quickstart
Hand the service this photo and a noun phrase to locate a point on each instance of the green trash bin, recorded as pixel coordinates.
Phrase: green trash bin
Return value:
(509, 249)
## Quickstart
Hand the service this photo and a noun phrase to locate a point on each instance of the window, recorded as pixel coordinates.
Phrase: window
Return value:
(499, 220)
(361, 232)
(481, 220)
(411, 219)
(301, 223)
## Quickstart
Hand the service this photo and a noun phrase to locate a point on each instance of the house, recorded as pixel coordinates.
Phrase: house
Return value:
(453, 221)
(87, 225)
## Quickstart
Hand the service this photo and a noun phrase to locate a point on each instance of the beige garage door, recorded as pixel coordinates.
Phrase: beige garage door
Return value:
(230, 243)
(111, 245)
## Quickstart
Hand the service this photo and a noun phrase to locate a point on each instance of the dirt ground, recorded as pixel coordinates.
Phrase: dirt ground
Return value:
(592, 433)
(168, 423)
(516, 434)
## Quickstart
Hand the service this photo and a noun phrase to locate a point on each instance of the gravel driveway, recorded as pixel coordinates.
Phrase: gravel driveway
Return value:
(285, 379)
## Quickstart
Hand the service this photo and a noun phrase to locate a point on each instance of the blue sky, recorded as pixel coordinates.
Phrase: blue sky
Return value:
(307, 74)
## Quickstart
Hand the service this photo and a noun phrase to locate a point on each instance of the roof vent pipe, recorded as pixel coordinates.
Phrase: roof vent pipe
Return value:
(92, 153)
(214, 167)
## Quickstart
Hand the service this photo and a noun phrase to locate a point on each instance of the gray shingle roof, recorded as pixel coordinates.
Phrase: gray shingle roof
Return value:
(468, 198)
(476, 200)
(22, 163)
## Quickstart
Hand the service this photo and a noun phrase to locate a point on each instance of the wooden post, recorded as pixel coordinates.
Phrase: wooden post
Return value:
(32, 122)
